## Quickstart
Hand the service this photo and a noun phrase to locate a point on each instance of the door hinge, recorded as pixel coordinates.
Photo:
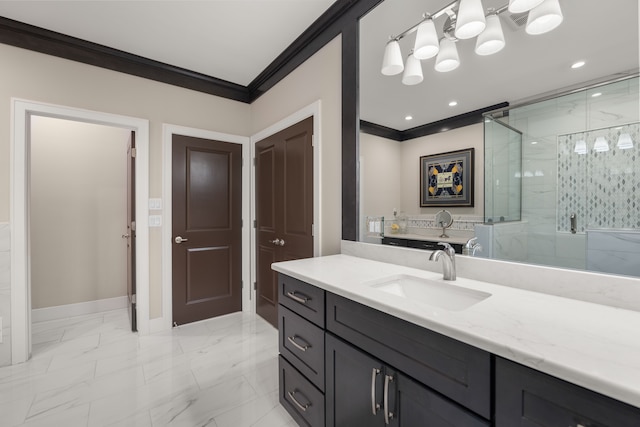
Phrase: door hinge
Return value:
(254, 161)
(313, 140)
(133, 152)
(255, 223)
(242, 284)
(255, 286)
(133, 226)
(241, 223)
(313, 230)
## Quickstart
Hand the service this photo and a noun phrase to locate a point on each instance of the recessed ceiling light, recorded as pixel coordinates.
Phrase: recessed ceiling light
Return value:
(578, 64)
(453, 103)
(597, 94)
(534, 142)
(408, 117)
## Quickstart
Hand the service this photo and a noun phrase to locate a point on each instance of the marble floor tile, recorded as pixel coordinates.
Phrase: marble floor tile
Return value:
(92, 371)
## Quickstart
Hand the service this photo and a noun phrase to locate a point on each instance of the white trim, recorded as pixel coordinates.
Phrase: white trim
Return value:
(168, 131)
(21, 111)
(311, 110)
(78, 309)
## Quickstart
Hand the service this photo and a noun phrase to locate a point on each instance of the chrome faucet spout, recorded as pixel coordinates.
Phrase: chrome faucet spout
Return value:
(448, 260)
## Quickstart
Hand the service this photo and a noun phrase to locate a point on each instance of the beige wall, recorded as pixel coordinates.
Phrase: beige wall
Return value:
(42, 78)
(404, 177)
(319, 78)
(78, 212)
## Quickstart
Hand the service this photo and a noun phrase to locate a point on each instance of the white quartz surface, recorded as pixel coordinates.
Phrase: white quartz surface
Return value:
(591, 345)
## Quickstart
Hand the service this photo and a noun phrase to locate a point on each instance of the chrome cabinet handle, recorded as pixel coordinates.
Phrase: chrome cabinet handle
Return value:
(387, 415)
(301, 300)
(374, 406)
(292, 340)
(302, 407)
(179, 240)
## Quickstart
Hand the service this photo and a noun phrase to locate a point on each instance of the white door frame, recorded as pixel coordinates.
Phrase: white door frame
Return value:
(311, 110)
(165, 322)
(21, 111)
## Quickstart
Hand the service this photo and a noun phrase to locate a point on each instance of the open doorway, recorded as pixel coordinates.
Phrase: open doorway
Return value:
(21, 274)
(78, 223)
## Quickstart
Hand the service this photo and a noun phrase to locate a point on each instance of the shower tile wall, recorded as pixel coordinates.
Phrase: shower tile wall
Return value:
(602, 189)
(5, 294)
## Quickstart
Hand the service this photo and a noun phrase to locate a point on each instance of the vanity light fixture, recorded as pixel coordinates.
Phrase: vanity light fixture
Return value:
(413, 71)
(463, 19)
(624, 141)
(601, 145)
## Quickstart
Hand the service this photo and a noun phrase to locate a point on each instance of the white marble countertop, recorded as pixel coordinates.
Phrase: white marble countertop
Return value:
(591, 345)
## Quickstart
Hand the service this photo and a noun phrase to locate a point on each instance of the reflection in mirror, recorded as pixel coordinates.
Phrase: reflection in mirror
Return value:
(579, 180)
(527, 68)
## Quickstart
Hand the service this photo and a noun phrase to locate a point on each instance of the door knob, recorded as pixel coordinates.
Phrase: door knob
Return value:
(275, 242)
(281, 242)
(179, 240)
(126, 236)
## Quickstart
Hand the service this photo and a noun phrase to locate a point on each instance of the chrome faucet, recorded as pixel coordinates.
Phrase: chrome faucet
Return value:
(471, 247)
(449, 260)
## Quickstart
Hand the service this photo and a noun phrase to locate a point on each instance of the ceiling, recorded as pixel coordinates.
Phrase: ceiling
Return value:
(235, 40)
(232, 40)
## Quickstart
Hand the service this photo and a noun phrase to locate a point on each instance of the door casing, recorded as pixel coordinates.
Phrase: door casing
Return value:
(312, 110)
(21, 111)
(165, 322)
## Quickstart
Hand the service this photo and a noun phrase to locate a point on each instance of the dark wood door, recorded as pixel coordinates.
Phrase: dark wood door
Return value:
(354, 386)
(207, 228)
(284, 208)
(131, 230)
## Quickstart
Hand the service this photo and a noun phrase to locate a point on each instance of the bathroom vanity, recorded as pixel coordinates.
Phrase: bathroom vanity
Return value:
(366, 343)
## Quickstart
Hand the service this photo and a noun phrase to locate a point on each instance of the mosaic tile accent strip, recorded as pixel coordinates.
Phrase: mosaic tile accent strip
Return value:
(459, 222)
(602, 188)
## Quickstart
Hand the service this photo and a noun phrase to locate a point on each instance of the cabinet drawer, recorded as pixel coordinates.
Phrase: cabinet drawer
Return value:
(528, 398)
(302, 298)
(452, 368)
(302, 344)
(299, 397)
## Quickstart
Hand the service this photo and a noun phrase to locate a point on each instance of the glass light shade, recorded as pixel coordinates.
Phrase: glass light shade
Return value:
(521, 6)
(413, 71)
(426, 45)
(447, 59)
(392, 60)
(471, 20)
(601, 145)
(624, 141)
(491, 40)
(581, 147)
(544, 18)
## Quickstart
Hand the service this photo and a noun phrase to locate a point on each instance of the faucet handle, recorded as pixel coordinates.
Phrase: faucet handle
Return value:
(447, 248)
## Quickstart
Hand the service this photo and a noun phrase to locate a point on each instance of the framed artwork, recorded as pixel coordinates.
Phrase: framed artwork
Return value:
(447, 179)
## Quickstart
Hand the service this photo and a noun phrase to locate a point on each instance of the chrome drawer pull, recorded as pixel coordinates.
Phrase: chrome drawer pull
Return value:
(374, 406)
(302, 407)
(302, 300)
(292, 340)
(387, 415)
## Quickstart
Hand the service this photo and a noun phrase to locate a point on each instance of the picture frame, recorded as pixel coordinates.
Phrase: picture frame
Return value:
(446, 179)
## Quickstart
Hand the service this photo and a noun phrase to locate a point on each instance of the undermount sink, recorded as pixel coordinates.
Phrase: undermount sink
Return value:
(431, 292)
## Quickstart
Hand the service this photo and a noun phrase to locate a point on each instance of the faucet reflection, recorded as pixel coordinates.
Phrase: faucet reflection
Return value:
(448, 255)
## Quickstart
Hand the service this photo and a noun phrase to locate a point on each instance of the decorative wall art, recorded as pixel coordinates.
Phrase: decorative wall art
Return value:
(447, 179)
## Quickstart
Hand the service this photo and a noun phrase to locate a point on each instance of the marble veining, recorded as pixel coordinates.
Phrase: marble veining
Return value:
(92, 371)
(591, 345)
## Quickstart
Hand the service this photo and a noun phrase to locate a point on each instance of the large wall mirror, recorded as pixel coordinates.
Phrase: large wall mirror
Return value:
(527, 170)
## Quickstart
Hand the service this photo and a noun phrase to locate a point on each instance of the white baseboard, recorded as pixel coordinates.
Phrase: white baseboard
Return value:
(78, 309)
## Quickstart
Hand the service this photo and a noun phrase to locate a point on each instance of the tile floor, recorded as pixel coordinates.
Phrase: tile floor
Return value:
(92, 371)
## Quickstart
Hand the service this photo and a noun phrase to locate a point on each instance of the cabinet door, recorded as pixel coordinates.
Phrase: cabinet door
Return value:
(354, 382)
(414, 405)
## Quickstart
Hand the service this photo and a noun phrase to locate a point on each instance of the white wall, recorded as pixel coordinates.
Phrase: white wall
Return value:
(78, 212)
(319, 78)
(380, 175)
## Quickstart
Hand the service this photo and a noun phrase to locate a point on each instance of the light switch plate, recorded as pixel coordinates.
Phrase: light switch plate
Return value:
(155, 220)
(155, 204)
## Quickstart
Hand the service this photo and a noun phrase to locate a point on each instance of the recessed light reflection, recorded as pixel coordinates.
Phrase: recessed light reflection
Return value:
(578, 64)
(453, 103)
(408, 117)
(597, 94)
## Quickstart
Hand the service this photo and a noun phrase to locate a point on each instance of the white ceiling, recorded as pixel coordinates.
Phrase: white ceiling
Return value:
(235, 40)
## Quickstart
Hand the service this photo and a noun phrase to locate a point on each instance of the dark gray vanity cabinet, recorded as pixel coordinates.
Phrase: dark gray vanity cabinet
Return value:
(301, 315)
(529, 398)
